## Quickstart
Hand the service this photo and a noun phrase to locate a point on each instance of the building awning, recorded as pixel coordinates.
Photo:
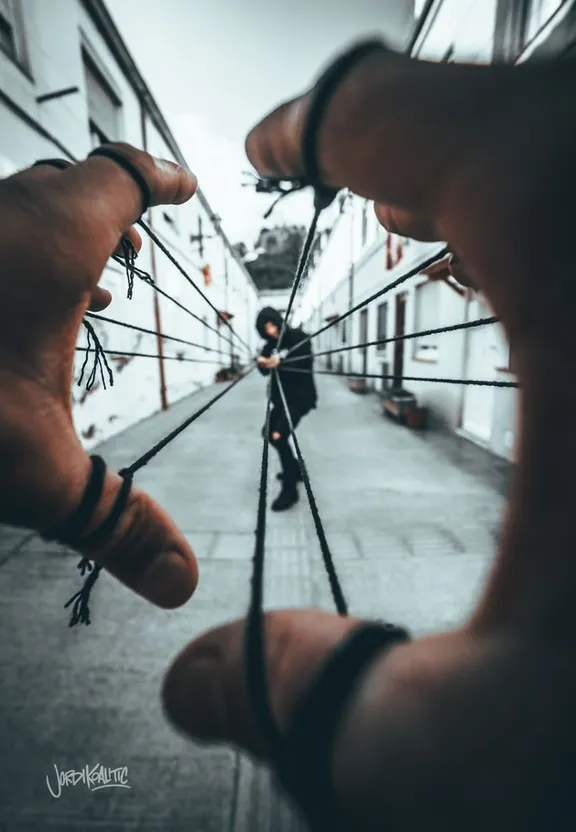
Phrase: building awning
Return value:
(441, 271)
(223, 316)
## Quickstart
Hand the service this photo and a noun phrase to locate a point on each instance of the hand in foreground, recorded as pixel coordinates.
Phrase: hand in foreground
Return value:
(57, 230)
(470, 729)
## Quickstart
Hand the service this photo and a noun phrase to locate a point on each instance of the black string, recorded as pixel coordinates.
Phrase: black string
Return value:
(181, 269)
(132, 170)
(80, 609)
(254, 641)
(79, 601)
(70, 532)
(196, 317)
(412, 273)
(254, 645)
(145, 458)
(337, 593)
(99, 360)
(152, 355)
(277, 200)
(127, 246)
(83, 513)
(153, 332)
(133, 270)
(382, 341)
(320, 98)
(129, 264)
(300, 269)
(91, 497)
(404, 378)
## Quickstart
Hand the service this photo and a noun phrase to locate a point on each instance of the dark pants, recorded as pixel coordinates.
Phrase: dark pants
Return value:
(279, 424)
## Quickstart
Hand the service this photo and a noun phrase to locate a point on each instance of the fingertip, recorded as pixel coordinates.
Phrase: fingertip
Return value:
(251, 148)
(192, 695)
(170, 580)
(187, 186)
(101, 299)
(186, 181)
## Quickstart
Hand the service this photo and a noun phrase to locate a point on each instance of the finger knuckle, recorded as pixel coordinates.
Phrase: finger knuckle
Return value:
(135, 542)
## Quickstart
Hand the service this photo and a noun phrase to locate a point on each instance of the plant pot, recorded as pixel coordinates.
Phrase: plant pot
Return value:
(357, 385)
(416, 418)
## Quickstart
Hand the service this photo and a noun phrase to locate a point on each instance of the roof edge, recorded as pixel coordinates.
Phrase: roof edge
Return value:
(105, 24)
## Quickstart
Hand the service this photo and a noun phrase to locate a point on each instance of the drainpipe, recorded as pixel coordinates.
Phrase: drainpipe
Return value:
(159, 340)
(351, 280)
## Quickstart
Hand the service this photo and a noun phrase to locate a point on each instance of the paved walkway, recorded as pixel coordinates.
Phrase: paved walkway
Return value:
(412, 531)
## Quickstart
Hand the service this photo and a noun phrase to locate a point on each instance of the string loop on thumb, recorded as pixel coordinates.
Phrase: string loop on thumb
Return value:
(321, 95)
(71, 534)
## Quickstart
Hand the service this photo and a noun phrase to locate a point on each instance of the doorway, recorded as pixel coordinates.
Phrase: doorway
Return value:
(483, 356)
(399, 329)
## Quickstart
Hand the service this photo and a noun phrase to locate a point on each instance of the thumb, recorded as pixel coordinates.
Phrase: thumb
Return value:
(205, 693)
(145, 551)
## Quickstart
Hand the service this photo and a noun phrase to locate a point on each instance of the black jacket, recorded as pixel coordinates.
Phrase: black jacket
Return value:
(299, 388)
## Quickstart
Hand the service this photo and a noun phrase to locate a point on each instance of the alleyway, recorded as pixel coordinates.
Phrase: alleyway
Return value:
(412, 535)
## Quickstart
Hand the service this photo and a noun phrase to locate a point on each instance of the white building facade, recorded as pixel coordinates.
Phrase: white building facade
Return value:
(62, 95)
(360, 257)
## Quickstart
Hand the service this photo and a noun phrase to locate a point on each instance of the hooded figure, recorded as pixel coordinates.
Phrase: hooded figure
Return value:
(299, 390)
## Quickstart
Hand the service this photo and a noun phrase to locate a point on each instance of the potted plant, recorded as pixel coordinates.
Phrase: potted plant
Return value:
(357, 385)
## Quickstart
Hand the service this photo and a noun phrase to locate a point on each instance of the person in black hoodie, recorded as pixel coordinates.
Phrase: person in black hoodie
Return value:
(299, 390)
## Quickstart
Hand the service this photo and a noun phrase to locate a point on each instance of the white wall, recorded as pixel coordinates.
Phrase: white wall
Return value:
(56, 63)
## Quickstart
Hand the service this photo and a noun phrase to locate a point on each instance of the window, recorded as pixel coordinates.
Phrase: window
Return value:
(7, 37)
(508, 358)
(12, 41)
(103, 104)
(364, 222)
(426, 301)
(170, 217)
(382, 331)
(343, 330)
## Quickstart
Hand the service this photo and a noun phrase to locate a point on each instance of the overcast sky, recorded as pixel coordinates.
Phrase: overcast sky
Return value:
(216, 67)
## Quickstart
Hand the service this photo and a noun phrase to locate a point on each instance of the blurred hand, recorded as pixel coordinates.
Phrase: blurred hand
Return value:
(442, 151)
(57, 230)
(269, 363)
(482, 158)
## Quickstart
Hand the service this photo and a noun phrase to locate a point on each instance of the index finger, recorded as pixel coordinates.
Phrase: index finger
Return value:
(406, 223)
(102, 181)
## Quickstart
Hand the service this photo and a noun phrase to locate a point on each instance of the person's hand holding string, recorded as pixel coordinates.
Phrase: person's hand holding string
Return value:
(269, 363)
(483, 717)
(58, 227)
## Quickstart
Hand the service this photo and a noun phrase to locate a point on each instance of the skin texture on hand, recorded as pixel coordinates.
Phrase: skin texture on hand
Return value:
(470, 729)
(57, 230)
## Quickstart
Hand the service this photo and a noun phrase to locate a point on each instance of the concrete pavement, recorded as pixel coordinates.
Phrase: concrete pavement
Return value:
(412, 525)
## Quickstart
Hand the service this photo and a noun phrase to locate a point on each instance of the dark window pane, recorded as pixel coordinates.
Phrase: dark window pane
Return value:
(7, 38)
(102, 102)
(382, 332)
